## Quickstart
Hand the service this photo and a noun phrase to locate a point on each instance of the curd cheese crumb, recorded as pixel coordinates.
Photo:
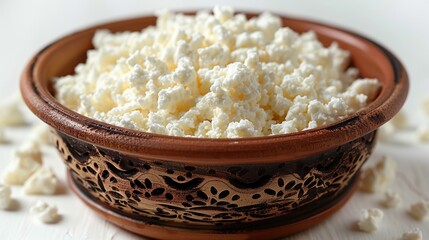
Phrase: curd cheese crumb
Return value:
(378, 177)
(423, 133)
(370, 220)
(5, 197)
(2, 136)
(10, 114)
(44, 212)
(244, 128)
(386, 131)
(43, 181)
(40, 134)
(400, 120)
(413, 234)
(420, 210)
(425, 106)
(215, 75)
(26, 160)
(391, 199)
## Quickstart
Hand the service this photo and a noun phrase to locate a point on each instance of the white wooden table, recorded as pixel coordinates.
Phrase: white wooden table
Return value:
(399, 24)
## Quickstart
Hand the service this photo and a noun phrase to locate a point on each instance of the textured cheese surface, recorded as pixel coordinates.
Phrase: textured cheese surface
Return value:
(391, 199)
(423, 133)
(3, 138)
(379, 177)
(26, 160)
(40, 134)
(11, 114)
(413, 234)
(425, 105)
(43, 181)
(5, 197)
(44, 212)
(420, 210)
(370, 220)
(215, 75)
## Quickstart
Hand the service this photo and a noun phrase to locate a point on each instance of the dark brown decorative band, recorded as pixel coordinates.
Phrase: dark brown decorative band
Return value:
(212, 196)
(299, 214)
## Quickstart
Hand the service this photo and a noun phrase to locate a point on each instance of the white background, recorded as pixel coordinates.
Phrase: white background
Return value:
(400, 25)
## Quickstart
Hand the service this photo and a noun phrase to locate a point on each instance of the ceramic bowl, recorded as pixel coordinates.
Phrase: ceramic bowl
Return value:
(186, 188)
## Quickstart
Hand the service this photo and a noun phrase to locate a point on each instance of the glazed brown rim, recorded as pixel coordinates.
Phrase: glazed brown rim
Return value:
(276, 148)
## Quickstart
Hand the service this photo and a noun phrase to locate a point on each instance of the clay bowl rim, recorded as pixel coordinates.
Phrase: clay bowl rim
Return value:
(276, 148)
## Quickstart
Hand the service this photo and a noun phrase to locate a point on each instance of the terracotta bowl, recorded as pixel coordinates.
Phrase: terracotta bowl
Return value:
(186, 188)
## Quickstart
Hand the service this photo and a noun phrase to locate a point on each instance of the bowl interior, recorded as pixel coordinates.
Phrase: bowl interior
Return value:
(61, 57)
(370, 61)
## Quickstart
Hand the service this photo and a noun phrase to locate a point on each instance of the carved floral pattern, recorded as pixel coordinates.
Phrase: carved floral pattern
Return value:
(210, 195)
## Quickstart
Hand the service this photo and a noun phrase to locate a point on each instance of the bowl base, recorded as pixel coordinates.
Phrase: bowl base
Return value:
(165, 232)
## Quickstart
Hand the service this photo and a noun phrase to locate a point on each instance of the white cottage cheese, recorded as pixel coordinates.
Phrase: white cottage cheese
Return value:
(11, 114)
(425, 105)
(388, 130)
(391, 199)
(26, 160)
(44, 212)
(400, 120)
(215, 76)
(3, 138)
(5, 197)
(413, 234)
(40, 134)
(379, 177)
(420, 210)
(43, 181)
(370, 220)
(423, 133)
